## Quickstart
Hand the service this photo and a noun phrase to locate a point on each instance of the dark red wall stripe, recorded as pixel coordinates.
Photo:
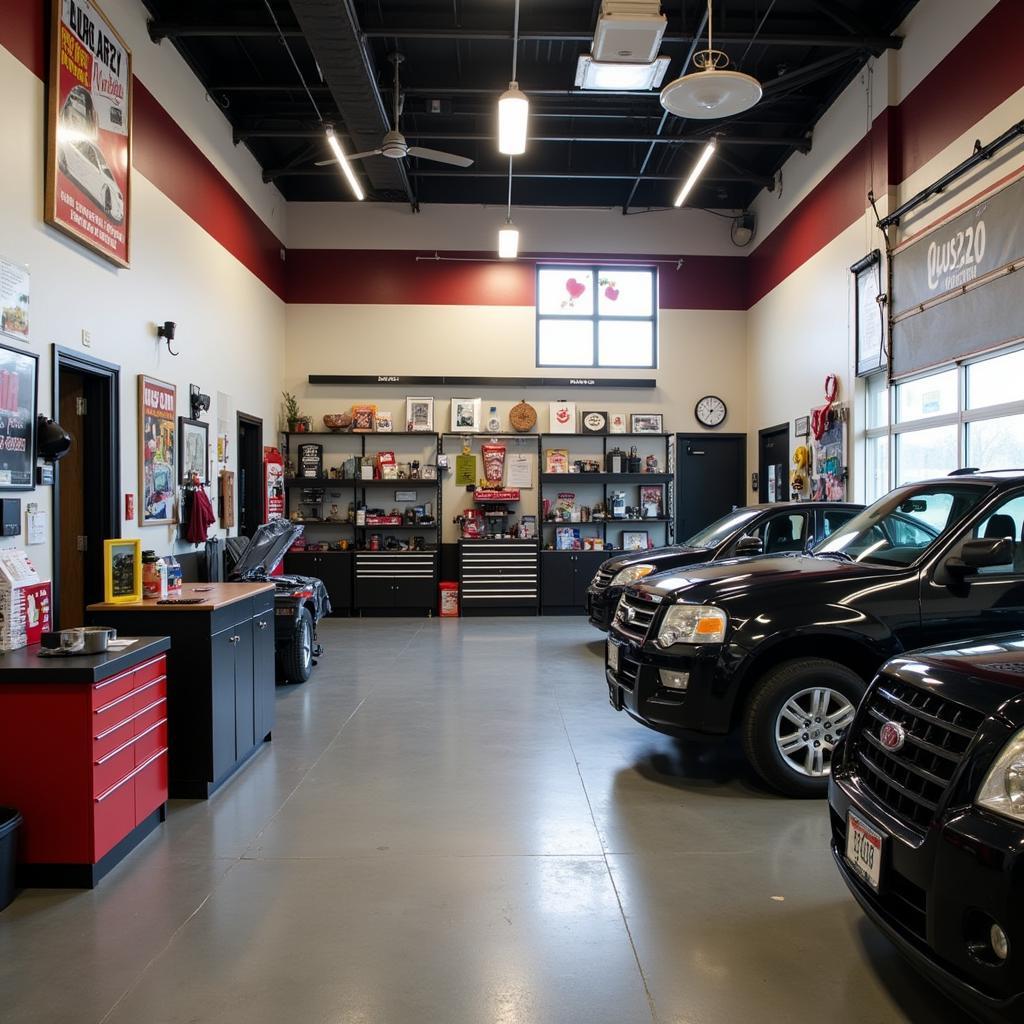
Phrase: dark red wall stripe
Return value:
(397, 277)
(163, 152)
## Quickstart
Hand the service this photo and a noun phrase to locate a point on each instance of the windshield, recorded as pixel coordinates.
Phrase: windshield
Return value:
(900, 527)
(721, 529)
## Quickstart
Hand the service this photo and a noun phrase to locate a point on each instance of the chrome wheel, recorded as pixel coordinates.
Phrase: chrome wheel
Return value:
(808, 728)
(306, 645)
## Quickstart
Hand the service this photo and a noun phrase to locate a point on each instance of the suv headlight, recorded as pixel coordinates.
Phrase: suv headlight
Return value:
(692, 624)
(1003, 788)
(631, 575)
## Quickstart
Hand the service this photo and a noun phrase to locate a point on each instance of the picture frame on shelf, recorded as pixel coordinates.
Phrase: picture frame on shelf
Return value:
(193, 450)
(122, 570)
(617, 423)
(465, 415)
(158, 441)
(646, 423)
(419, 414)
(364, 418)
(652, 496)
(593, 421)
(635, 540)
(563, 418)
(383, 423)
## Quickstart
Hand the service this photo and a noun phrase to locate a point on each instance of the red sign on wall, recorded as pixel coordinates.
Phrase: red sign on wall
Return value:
(89, 138)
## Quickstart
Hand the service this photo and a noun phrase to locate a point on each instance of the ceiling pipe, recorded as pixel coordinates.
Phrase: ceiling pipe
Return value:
(455, 172)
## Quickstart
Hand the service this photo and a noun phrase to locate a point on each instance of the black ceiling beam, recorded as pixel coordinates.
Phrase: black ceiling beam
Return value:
(459, 172)
(874, 43)
(268, 87)
(799, 141)
(160, 28)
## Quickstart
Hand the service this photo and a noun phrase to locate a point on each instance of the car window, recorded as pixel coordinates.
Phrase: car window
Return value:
(899, 528)
(833, 518)
(713, 535)
(1005, 520)
(786, 531)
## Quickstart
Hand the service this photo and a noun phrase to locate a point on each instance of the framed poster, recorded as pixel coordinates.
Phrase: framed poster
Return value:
(645, 423)
(122, 571)
(89, 125)
(158, 441)
(594, 422)
(465, 415)
(194, 439)
(14, 299)
(419, 414)
(18, 375)
(868, 315)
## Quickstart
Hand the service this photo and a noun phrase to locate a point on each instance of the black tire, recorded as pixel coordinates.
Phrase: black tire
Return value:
(296, 659)
(794, 756)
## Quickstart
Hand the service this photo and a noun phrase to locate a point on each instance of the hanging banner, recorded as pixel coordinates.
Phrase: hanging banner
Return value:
(88, 164)
(954, 292)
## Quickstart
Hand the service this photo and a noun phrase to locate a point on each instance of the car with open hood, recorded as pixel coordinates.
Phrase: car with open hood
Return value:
(782, 647)
(757, 529)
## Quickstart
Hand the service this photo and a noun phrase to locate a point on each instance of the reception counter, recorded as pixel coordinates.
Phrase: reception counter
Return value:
(220, 671)
(83, 756)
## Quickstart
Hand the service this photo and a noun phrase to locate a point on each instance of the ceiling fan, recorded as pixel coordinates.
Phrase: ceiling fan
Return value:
(393, 144)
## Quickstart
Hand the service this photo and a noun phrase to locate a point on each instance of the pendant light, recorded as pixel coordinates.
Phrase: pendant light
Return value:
(713, 91)
(508, 236)
(698, 169)
(513, 107)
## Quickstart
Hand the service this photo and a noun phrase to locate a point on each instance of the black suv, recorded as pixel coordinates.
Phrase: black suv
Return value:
(784, 645)
(755, 530)
(927, 807)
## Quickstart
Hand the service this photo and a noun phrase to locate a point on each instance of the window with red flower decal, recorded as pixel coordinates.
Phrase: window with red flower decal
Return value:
(597, 316)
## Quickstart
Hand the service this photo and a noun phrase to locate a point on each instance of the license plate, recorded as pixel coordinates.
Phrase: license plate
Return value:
(614, 653)
(864, 850)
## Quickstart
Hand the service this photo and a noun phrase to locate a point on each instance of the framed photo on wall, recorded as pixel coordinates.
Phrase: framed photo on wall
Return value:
(158, 441)
(89, 130)
(419, 414)
(194, 442)
(19, 372)
(645, 423)
(465, 415)
(122, 571)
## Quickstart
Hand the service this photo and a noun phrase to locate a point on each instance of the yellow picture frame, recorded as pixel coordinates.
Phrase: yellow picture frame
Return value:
(115, 591)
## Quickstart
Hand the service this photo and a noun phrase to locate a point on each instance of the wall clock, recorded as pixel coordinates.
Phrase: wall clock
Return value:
(710, 411)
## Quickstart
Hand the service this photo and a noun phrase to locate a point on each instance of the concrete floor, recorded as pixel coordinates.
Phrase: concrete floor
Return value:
(452, 826)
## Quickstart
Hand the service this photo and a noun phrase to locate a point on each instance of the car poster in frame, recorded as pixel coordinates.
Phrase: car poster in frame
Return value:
(122, 571)
(89, 130)
(645, 423)
(19, 371)
(158, 441)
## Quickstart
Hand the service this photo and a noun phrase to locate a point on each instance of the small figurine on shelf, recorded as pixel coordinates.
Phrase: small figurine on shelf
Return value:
(652, 464)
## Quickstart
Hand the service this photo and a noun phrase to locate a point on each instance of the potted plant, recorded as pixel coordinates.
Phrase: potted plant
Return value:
(291, 410)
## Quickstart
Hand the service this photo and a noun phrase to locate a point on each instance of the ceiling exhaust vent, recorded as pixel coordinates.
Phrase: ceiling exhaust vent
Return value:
(628, 32)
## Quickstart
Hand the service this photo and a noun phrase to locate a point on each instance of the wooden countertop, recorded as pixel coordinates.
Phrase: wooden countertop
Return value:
(25, 666)
(214, 596)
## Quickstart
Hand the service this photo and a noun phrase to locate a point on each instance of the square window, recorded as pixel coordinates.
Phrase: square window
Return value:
(995, 381)
(597, 316)
(997, 443)
(922, 454)
(935, 395)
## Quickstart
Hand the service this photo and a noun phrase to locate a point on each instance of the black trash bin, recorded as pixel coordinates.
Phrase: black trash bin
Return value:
(10, 821)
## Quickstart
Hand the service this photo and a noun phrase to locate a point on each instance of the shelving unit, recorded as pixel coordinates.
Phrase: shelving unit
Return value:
(393, 578)
(565, 574)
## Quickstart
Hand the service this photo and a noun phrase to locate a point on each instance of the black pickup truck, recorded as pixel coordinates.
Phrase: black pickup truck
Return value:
(782, 647)
(755, 530)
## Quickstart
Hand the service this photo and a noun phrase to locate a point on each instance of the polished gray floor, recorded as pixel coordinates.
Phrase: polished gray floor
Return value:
(452, 826)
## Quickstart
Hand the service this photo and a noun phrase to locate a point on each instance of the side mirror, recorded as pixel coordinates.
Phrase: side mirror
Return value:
(748, 545)
(977, 554)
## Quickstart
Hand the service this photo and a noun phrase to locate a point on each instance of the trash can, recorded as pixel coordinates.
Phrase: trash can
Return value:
(10, 822)
(448, 599)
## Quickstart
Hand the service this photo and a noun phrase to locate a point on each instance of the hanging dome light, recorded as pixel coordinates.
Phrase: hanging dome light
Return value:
(713, 91)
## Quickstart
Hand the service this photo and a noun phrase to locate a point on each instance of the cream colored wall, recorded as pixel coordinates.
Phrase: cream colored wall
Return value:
(230, 325)
(701, 352)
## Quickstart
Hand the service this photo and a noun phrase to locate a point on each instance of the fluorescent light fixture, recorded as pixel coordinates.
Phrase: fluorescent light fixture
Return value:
(619, 76)
(702, 162)
(508, 241)
(346, 167)
(513, 111)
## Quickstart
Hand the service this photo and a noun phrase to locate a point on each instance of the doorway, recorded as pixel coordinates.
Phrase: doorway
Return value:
(86, 482)
(772, 462)
(250, 474)
(710, 481)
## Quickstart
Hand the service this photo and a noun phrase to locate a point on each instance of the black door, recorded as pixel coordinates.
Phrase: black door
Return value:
(772, 463)
(710, 481)
(87, 481)
(250, 474)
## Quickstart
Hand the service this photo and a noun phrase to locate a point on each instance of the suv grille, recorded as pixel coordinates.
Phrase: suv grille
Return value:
(602, 579)
(633, 617)
(911, 782)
